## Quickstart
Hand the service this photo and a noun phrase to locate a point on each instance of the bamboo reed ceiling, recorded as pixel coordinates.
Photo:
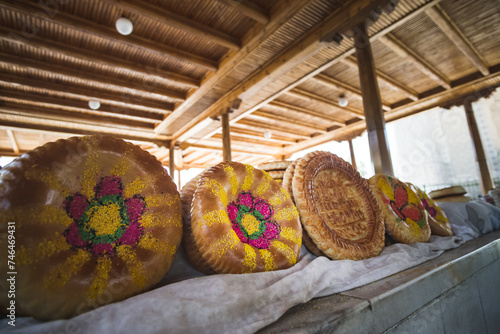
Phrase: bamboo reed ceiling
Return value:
(186, 61)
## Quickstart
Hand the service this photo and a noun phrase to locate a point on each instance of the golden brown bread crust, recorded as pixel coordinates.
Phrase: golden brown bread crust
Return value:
(406, 220)
(225, 228)
(287, 179)
(450, 191)
(188, 244)
(337, 207)
(274, 165)
(439, 223)
(97, 220)
(276, 174)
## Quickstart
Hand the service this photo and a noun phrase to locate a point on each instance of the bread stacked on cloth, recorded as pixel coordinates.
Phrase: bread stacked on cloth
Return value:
(96, 220)
(239, 220)
(338, 211)
(276, 169)
(404, 214)
(450, 194)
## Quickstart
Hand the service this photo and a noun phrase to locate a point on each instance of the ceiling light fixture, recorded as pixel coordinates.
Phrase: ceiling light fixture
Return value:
(343, 102)
(124, 26)
(267, 134)
(94, 104)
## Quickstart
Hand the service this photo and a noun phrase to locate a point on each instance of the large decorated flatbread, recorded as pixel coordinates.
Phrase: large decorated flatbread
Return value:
(243, 221)
(404, 214)
(96, 220)
(439, 223)
(337, 207)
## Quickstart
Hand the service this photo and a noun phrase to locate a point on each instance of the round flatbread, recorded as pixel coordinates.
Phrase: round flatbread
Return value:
(274, 165)
(445, 192)
(337, 207)
(276, 174)
(96, 220)
(439, 223)
(189, 247)
(243, 221)
(404, 213)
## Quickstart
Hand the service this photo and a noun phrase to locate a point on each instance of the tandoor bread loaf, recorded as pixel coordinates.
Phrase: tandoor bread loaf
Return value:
(189, 247)
(337, 207)
(404, 213)
(287, 185)
(243, 221)
(96, 220)
(439, 223)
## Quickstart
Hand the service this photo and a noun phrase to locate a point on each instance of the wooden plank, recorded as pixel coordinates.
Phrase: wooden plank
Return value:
(303, 94)
(101, 31)
(372, 103)
(484, 173)
(13, 141)
(88, 56)
(287, 120)
(226, 137)
(217, 147)
(252, 124)
(168, 18)
(337, 84)
(305, 111)
(248, 9)
(122, 99)
(342, 19)
(353, 157)
(171, 160)
(227, 66)
(92, 77)
(259, 135)
(423, 65)
(63, 101)
(408, 92)
(450, 29)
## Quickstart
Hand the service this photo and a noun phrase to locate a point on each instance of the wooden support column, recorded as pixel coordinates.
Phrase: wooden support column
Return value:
(485, 176)
(372, 103)
(171, 160)
(226, 136)
(353, 158)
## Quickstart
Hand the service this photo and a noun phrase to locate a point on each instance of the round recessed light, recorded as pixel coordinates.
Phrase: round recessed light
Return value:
(343, 101)
(267, 134)
(124, 26)
(94, 104)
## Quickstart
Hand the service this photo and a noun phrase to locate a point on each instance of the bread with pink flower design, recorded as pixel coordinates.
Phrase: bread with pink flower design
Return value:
(439, 223)
(96, 220)
(406, 220)
(242, 221)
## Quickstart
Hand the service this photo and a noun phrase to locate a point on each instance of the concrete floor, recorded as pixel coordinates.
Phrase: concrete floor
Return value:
(457, 292)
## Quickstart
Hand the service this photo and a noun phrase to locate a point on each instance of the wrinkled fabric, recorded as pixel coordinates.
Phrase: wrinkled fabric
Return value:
(190, 302)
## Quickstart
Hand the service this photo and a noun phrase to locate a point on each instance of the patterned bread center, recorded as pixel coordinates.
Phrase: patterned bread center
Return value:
(339, 204)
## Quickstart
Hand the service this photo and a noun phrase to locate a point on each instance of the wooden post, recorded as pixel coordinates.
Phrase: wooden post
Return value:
(171, 162)
(353, 158)
(226, 136)
(372, 103)
(179, 179)
(485, 176)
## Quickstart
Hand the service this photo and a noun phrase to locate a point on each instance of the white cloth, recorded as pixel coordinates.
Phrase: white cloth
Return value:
(246, 303)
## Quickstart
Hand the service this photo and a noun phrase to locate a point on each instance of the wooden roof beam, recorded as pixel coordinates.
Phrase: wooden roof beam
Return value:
(109, 33)
(423, 65)
(408, 92)
(344, 18)
(13, 141)
(337, 84)
(290, 121)
(165, 17)
(155, 92)
(303, 94)
(450, 29)
(227, 67)
(260, 136)
(91, 93)
(252, 124)
(78, 102)
(248, 9)
(218, 148)
(53, 47)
